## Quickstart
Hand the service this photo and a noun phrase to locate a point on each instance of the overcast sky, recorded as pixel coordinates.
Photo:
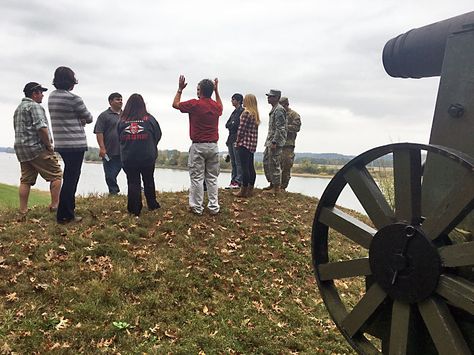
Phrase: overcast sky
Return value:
(324, 55)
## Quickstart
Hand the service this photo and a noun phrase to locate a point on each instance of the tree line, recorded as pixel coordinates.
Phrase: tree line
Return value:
(174, 159)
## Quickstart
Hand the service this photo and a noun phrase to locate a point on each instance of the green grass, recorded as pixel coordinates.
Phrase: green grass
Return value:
(240, 282)
(9, 197)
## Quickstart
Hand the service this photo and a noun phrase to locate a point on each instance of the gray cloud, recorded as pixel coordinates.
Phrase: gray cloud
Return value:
(325, 56)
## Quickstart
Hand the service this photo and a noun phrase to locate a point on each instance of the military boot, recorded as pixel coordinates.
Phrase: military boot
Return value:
(250, 191)
(243, 192)
(275, 190)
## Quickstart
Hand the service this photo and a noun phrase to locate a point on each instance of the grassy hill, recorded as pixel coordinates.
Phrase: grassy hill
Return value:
(167, 282)
(9, 197)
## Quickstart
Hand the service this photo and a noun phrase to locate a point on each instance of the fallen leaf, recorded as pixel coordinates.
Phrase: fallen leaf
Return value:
(63, 323)
(41, 287)
(105, 343)
(155, 329)
(55, 346)
(170, 334)
(5, 349)
(12, 297)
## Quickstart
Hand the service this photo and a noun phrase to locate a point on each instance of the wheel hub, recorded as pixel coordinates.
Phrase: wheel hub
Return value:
(404, 262)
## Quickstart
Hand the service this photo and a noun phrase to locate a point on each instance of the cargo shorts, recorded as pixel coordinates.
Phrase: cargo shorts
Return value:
(46, 164)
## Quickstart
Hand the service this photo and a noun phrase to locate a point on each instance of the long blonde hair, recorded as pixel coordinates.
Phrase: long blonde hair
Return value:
(250, 104)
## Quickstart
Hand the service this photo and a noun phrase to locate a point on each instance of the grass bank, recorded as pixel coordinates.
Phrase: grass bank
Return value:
(167, 282)
(9, 197)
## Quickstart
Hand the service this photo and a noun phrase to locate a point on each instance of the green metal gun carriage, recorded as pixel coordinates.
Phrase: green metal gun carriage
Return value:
(405, 281)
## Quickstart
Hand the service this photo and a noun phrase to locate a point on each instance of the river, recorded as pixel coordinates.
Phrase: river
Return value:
(92, 181)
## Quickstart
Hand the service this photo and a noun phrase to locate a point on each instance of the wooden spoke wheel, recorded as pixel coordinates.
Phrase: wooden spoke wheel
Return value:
(399, 280)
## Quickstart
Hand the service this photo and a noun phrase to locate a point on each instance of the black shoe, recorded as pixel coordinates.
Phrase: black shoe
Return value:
(155, 207)
(76, 219)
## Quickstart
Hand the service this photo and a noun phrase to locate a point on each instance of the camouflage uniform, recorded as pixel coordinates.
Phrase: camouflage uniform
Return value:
(276, 134)
(288, 151)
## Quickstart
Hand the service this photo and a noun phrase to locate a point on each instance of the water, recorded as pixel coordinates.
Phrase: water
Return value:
(92, 181)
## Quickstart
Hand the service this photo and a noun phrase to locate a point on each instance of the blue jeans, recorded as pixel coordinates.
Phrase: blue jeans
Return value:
(67, 196)
(112, 169)
(248, 168)
(236, 175)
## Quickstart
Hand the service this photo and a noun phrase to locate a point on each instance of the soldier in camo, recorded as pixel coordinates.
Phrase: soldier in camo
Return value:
(274, 143)
(288, 153)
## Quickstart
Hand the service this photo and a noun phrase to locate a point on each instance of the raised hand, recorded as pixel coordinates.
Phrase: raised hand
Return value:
(182, 82)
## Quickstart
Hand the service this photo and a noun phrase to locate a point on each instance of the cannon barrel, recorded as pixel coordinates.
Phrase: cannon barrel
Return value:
(419, 52)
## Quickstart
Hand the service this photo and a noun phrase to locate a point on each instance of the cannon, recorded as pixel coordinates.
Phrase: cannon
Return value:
(400, 279)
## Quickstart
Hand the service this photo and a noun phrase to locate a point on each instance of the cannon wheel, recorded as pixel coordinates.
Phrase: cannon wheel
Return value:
(403, 283)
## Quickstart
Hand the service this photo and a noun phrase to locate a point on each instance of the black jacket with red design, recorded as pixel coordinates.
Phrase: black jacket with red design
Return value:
(138, 141)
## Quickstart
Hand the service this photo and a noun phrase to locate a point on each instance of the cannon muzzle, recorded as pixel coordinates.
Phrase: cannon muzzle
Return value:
(419, 53)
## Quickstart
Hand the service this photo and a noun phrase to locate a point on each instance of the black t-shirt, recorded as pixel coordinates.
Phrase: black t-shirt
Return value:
(107, 125)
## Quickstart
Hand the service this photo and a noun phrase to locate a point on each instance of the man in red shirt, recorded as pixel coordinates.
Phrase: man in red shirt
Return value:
(203, 158)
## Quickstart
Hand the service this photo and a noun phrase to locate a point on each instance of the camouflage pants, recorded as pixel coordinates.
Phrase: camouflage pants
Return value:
(287, 159)
(271, 165)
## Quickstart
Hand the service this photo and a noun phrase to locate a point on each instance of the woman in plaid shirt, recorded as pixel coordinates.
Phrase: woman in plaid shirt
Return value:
(246, 144)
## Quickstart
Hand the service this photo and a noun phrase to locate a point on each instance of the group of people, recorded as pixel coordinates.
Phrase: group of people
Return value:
(278, 158)
(34, 148)
(128, 140)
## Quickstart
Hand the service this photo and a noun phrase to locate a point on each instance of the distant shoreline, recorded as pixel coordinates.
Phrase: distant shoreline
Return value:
(305, 175)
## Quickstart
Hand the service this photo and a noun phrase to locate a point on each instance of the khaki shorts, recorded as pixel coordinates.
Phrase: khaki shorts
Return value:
(46, 164)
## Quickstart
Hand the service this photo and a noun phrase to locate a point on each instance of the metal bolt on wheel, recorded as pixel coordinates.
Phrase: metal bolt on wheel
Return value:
(399, 280)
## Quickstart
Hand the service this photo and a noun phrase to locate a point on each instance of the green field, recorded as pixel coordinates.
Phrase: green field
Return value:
(9, 197)
(168, 282)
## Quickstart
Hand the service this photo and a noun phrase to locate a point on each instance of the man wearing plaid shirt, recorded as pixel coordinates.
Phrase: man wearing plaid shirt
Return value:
(33, 147)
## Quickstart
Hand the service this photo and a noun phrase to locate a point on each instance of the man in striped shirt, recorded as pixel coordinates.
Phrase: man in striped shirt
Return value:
(69, 115)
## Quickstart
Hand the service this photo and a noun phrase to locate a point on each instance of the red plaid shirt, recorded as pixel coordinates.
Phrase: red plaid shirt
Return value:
(247, 134)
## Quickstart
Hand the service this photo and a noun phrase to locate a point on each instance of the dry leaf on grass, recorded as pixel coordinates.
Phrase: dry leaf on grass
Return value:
(63, 323)
(12, 297)
(105, 343)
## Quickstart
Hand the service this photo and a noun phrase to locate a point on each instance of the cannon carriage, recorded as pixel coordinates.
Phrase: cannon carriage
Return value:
(401, 279)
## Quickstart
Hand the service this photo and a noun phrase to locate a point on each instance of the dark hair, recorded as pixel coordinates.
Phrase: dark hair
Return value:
(135, 108)
(114, 95)
(239, 98)
(206, 87)
(64, 78)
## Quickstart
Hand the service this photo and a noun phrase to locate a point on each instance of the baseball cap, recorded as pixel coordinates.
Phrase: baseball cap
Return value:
(32, 87)
(284, 100)
(274, 93)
